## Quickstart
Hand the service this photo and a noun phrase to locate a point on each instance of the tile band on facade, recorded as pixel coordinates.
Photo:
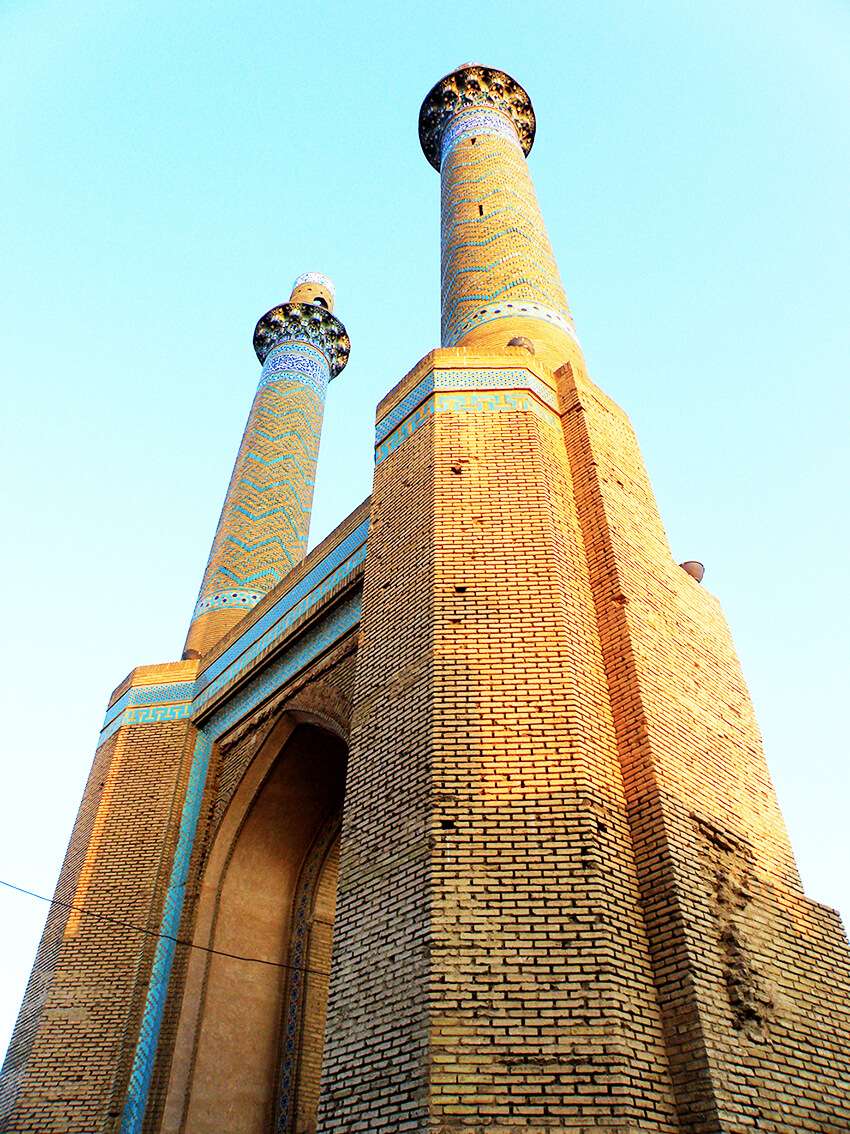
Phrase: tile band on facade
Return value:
(472, 123)
(326, 633)
(297, 362)
(526, 308)
(154, 703)
(464, 391)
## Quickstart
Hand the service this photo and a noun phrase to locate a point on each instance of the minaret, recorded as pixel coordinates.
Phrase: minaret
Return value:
(499, 278)
(265, 522)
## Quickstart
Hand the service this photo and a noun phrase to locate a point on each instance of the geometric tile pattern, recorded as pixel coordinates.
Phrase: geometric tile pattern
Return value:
(472, 123)
(152, 695)
(145, 1054)
(266, 642)
(264, 524)
(465, 391)
(338, 621)
(503, 378)
(177, 700)
(330, 570)
(495, 250)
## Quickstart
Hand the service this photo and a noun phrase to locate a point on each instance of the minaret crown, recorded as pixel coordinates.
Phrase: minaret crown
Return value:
(313, 287)
(303, 322)
(475, 87)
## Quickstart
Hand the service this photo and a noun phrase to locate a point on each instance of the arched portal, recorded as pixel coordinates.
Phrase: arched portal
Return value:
(249, 1042)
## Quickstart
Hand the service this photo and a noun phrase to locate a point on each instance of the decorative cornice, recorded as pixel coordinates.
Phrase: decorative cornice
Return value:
(305, 322)
(467, 88)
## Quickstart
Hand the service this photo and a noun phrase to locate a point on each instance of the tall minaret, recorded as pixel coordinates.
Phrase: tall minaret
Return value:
(499, 277)
(264, 524)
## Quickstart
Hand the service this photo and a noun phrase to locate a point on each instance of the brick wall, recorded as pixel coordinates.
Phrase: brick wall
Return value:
(753, 977)
(490, 962)
(70, 1052)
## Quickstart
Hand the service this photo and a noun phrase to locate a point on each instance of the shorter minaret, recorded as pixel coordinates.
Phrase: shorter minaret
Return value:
(265, 522)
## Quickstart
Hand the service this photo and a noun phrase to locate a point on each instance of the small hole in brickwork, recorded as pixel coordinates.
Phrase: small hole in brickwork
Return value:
(447, 824)
(473, 141)
(457, 470)
(460, 590)
(481, 210)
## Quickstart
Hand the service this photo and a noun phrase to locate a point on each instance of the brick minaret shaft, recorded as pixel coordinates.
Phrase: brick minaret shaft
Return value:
(499, 278)
(265, 521)
(567, 900)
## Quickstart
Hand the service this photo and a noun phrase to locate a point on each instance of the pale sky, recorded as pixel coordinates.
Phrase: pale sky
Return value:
(169, 169)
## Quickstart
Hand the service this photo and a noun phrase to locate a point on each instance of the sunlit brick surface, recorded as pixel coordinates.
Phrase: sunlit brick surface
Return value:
(566, 900)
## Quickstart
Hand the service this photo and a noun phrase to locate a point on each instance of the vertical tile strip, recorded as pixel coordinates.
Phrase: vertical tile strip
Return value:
(143, 1062)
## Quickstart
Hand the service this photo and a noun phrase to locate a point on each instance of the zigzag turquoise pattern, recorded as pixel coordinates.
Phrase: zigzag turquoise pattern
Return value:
(500, 255)
(263, 529)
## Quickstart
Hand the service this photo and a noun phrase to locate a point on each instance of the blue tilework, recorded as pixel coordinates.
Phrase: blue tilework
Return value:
(333, 626)
(263, 528)
(149, 704)
(507, 379)
(279, 629)
(245, 599)
(522, 308)
(335, 558)
(487, 401)
(150, 695)
(502, 253)
(297, 362)
(151, 714)
(145, 1054)
(471, 123)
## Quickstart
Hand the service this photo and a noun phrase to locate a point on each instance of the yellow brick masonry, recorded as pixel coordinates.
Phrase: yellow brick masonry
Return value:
(754, 978)
(491, 967)
(67, 1064)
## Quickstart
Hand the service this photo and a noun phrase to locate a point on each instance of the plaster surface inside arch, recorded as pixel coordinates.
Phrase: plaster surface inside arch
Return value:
(224, 1072)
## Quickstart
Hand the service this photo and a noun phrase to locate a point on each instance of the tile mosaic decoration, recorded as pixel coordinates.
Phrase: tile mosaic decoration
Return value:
(164, 694)
(299, 362)
(472, 123)
(477, 126)
(264, 525)
(146, 704)
(463, 379)
(494, 401)
(464, 391)
(339, 562)
(526, 309)
(473, 88)
(145, 1054)
(336, 623)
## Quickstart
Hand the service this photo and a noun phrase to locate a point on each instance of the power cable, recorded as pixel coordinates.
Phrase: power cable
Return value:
(165, 936)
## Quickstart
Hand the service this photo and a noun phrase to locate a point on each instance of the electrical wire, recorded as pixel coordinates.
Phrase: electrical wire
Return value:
(165, 936)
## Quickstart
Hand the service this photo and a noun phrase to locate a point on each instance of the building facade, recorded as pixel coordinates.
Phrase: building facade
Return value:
(487, 739)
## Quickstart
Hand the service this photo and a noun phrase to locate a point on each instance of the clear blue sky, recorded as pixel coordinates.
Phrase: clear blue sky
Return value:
(168, 169)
